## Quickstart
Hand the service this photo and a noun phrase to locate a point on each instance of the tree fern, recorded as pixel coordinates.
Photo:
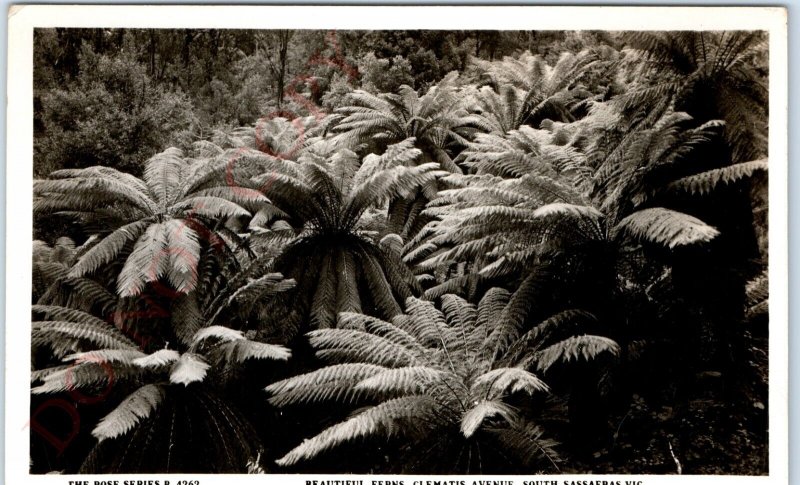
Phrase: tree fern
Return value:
(329, 198)
(544, 91)
(502, 110)
(522, 203)
(99, 357)
(436, 122)
(162, 216)
(430, 372)
(434, 119)
(278, 136)
(711, 75)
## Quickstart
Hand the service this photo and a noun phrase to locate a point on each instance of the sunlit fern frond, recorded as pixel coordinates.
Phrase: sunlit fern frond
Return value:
(137, 406)
(520, 152)
(388, 417)
(706, 182)
(665, 227)
(54, 323)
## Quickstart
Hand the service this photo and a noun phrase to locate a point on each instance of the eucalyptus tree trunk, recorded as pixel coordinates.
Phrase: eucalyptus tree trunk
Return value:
(284, 36)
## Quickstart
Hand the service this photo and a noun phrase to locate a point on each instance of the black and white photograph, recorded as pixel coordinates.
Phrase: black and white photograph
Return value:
(400, 251)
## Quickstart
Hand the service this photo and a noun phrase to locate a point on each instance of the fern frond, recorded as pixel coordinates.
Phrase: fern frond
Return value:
(218, 332)
(189, 368)
(182, 253)
(124, 356)
(39, 375)
(666, 227)
(331, 382)
(403, 380)
(242, 350)
(253, 291)
(93, 188)
(567, 209)
(458, 285)
(380, 328)
(427, 324)
(108, 248)
(757, 289)
(247, 198)
(80, 293)
(474, 418)
(706, 182)
(51, 312)
(389, 184)
(158, 358)
(490, 307)
(208, 206)
(186, 317)
(512, 317)
(460, 314)
(103, 335)
(86, 375)
(388, 418)
(580, 346)
(556, 326)
(107, 173)
(355, 345)
(131, 411)
(495, 383)
(162, 174)
(524, 441)
(148, 261)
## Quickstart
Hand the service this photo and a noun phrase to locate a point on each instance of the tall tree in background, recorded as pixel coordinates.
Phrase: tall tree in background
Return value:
(277, 45)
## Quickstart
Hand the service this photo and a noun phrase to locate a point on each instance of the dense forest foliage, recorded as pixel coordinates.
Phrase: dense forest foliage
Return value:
(435, 251)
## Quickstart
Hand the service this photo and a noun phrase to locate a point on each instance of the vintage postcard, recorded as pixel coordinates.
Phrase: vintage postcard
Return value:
(396, 245)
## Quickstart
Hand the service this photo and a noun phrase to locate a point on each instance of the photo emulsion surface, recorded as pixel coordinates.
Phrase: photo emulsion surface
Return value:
(412, 252)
